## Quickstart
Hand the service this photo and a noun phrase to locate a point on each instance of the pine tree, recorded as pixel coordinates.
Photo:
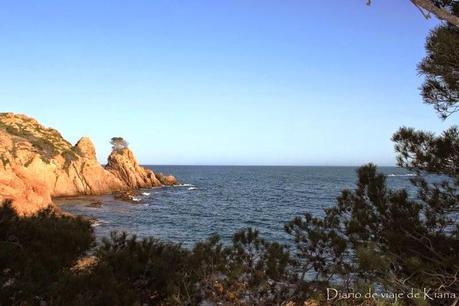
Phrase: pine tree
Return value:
(376, 236)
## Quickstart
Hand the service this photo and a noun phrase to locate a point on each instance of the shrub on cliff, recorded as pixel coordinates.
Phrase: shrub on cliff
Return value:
(47, 142)
(118, 143)
(35, 250)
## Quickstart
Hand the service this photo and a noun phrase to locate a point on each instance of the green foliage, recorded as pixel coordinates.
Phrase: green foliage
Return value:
(452, 6)
(34, 250)
(118, 143)
(47, 142)
(129, 271)
(69, 156)
(46, 148)
(260, 259)
(441, 68)
(385, 237)
(423, 152)
(39, 256)
(392, 240)
(256, 270)
(17, 131)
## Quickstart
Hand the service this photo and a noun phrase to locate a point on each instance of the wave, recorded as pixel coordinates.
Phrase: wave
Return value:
(146, 193)
(99, 222)
(184, 185)
(136, 199)
(192, 188)
(401, 175)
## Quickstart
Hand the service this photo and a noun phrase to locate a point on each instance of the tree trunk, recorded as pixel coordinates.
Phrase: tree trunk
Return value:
(439, 12)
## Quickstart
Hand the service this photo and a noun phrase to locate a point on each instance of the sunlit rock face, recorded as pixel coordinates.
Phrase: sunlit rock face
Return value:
(123, 165)
(37, 164)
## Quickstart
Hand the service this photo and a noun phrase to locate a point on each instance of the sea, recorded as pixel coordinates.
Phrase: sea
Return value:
(223, 200)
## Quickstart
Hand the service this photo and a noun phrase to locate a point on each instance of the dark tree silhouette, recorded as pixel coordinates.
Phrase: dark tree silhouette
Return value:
(441, 69)
(378, 236)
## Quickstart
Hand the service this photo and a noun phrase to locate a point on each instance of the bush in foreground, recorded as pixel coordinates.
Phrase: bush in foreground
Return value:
(35, 250)
(41, 255)
(374, 238)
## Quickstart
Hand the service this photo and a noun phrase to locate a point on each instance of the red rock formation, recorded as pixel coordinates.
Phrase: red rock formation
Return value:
(37, 164)
(167, 180)
(123, 164)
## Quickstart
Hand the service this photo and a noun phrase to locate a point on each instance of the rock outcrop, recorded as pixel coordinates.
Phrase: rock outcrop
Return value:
(166, 179)
(37, 164)
(123, 165)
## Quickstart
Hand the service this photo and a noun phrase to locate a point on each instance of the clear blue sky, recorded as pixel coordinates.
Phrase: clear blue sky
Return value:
(289, 82)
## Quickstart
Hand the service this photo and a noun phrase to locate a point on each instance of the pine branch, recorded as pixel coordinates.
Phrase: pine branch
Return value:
(430, 7)
(441, 14)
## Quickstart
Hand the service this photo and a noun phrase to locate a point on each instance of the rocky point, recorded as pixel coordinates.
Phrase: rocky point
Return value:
(38, 164)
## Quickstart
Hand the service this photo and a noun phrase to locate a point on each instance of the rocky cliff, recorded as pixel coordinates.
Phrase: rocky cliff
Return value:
(37, 164)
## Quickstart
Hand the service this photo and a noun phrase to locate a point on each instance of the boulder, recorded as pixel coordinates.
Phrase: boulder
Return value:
(167, 180)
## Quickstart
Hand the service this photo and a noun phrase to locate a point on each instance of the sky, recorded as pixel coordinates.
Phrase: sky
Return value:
(205, 82)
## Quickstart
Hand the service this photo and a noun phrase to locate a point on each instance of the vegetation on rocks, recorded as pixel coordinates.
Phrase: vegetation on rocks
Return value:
(47, 142)
(118, 143)
(37, 164)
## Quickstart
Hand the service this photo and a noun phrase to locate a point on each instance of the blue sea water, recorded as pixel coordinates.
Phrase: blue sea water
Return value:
(224, 199)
